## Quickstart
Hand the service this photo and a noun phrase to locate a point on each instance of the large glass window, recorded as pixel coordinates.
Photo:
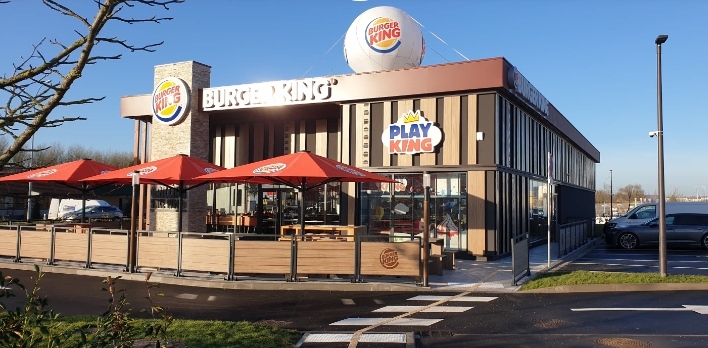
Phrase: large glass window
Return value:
(538, 206)
(397, 209)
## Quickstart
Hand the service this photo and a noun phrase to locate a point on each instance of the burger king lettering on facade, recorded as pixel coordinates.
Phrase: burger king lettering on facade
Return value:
(411, 134)
(170, 101)
(267, 94)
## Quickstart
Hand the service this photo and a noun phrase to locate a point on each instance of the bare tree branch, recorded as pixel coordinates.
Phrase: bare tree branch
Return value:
(39, 82)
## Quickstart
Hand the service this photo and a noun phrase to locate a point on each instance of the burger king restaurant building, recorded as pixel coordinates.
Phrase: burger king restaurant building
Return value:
(479, 129)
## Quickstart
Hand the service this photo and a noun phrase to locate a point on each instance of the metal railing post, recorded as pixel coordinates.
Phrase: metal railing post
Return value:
(89, 248)
(52, 243)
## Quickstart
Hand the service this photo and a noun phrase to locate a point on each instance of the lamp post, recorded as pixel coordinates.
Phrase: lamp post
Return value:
(133, 233)
(660, 135)
(612, 215)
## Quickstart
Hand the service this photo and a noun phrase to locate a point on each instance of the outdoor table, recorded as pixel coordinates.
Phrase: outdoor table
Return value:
(321, 232)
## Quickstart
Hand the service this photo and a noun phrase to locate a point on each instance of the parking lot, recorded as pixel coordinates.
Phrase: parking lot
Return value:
(690, 261)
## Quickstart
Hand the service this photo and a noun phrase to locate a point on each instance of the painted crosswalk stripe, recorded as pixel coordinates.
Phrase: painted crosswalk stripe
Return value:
(347, 337)
(397, 322)
(460, 299)
(348, 301)
(436, 309)
(377, 301)
(187, 296)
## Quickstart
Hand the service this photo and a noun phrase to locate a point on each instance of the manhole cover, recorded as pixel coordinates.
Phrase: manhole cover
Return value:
(274, 323)
(616, 342)
(550, 323)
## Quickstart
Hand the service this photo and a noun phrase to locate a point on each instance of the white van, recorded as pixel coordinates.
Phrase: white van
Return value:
(59, 207)
(647, 211)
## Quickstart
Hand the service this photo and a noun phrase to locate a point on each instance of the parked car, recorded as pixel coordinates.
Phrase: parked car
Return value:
(647, 211)
(107, 212)
(681, 228)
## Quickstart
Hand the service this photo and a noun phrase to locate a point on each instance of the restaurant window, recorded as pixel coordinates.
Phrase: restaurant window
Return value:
(397, 209)
(538, 207)
(165, 197)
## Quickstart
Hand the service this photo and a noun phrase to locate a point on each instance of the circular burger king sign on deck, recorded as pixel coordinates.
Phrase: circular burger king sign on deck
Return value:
(170, 101)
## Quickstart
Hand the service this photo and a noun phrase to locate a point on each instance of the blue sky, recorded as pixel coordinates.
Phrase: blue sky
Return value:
(594, 60)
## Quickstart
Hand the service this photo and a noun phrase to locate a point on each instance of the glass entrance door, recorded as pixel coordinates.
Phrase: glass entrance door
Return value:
(277, 207)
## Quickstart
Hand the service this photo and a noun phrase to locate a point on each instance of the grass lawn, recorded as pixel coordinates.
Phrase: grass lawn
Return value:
(211, 334)
(546, 280)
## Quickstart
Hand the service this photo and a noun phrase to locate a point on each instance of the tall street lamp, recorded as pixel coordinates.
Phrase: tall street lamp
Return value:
(612, 215)
(660, 135)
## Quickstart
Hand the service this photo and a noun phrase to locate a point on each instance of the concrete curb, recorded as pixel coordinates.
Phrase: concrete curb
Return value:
(215, 282)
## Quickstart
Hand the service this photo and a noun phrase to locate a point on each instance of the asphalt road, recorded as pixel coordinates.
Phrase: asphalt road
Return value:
(641, 319)
(693, 261)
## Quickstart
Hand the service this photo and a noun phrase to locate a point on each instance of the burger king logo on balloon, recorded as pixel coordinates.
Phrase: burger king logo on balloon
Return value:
(383, 38)
(170, 101)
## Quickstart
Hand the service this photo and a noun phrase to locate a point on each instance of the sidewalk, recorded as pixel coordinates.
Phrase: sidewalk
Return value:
(496, 276)
(478, 276)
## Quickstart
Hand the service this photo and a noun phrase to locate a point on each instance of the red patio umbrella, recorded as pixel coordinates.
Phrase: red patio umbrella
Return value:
(69, 174)
(178, 170)
(301, 170)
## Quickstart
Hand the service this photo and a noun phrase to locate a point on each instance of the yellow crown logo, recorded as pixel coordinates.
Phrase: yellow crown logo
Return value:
(410, 116)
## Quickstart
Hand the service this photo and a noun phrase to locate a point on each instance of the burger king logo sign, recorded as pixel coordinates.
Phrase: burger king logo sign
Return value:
(170, 101)
(384, 35)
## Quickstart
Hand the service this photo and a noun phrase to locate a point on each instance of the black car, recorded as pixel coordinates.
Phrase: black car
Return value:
(681, 228)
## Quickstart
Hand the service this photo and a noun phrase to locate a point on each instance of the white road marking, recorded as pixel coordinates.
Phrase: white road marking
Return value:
(348, 301)
(687, 308)
(461, 299)
(367, 337)
(437, 309)
(376, 321)
(211, 298)
(188, 296)
(377, 301)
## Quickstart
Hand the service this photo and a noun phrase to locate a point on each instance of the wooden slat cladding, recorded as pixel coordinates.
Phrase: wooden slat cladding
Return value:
(309, 257)
(321, 138)
(35, 244)
(267, 257)
(451, 129)
(157, 251)
(71, 246)
(429, 110)
(345, 134)
(381, 258)
(8, 247)
(109, 249)
(229, 146)
(476, 203)
(404, 106)
(377, 151)
(206, 255)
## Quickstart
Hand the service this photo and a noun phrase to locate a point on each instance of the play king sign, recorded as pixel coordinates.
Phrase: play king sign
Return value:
(411, 134)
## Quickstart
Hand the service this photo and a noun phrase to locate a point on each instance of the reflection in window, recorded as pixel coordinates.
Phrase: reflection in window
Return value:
(538, 205)
(397, 209)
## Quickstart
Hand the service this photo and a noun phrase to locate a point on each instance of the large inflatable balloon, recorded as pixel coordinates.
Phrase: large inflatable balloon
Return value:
(383, 38)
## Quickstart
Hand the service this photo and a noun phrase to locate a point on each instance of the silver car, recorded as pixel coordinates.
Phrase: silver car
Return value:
(681, 228)
(103, 212)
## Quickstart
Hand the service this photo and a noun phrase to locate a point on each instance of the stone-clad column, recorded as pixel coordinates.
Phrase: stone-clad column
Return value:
(190, 137)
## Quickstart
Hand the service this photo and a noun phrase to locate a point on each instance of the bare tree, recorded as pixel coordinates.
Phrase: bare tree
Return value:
(38, 83)
(630, 192)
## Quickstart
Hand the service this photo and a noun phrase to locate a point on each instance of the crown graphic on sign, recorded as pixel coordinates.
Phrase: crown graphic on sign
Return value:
(410, 116)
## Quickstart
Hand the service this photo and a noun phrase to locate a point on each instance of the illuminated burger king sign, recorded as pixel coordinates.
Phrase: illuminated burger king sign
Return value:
(411, 134)
(170, 101)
